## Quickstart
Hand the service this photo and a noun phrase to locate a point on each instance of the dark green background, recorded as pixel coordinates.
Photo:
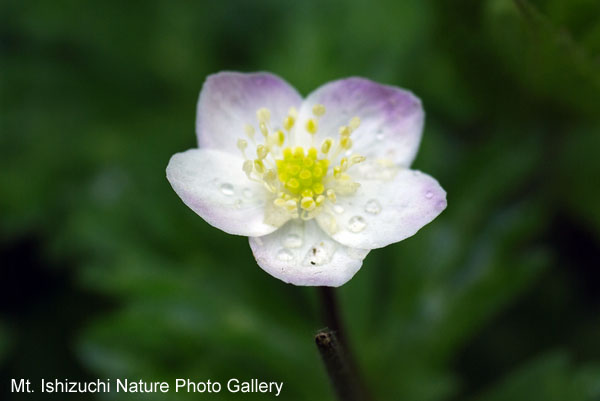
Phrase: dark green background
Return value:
(105, 273)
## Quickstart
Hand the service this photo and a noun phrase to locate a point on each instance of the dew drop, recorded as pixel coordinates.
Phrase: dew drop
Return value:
(373, 206)
(247, 193)
(227, 189)
(285, 255)
(429, 194)
(292, 241)
(338, 209)
(356, 224)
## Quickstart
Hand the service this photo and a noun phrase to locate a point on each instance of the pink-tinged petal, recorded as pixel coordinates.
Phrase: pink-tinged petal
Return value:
(391, 118)
(229, 100)
(212, 184)
(300, 253)
(384, 212)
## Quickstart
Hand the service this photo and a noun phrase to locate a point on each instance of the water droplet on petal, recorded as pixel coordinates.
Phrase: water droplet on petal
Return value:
(292, 241)
(429, 194)
(285, 255)
(373, 206)
(247, 192)
(338, 209)
(356, 224)
(227, 189)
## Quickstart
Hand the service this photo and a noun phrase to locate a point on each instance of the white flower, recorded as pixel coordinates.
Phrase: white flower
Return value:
(314, 183)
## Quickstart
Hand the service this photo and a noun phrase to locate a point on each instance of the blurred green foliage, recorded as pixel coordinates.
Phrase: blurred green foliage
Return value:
(96, 96)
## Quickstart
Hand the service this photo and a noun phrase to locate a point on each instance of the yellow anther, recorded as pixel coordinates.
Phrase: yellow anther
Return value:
(345, 130)
(317, 172)
(269, 175)
(242, 144)
(279, 138)
(292, 112)
(312, 153)
(307, 192)
(355, 159)
(354, 123)
(320, 200)
(318, 188)
(346, 142)
(299, 152)
(263, 129)
(337, 172)
(312, 126)
(293, 185)
(249, 131)
(263, 115)
(247, 167)
(287, 153)
(288, 122)
(318, 110)
(308, 162)
(279, 202)
(292, 169)
(262, 151)
(259, 166)
(344, 164)
(326, 145)
(305, 175)
(331, 195)
(307, 203)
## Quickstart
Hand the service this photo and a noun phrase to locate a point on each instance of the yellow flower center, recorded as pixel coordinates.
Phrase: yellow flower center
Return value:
(299, 178)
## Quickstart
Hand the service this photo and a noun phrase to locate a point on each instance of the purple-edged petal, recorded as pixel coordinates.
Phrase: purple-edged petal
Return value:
(301, 253)
(384, 212)
(212, 184)
(229, 100)
(391, 118)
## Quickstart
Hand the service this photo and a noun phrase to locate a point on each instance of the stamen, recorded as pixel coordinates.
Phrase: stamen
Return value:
(355, 159)
(318, 110)
(263, 115)
(289, 121)
(331, 195)
(280, 138)
(297, 175)
(307, 203)
(326, 145)
(259, 166)
(247, 167)
(312, 126)
(344, 164)
(345, 130)
(262, 151)
(249, 131)
(263, 129)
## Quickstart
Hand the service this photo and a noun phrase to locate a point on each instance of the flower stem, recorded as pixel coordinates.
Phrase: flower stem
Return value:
(335, 352)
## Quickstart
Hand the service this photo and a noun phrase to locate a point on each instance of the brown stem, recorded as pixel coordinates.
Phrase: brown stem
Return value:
(335, 352)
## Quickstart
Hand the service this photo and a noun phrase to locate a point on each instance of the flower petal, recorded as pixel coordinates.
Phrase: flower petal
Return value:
(300, 253)
(391, 118)
(213, 185)
(384, 212)
(229, 100)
